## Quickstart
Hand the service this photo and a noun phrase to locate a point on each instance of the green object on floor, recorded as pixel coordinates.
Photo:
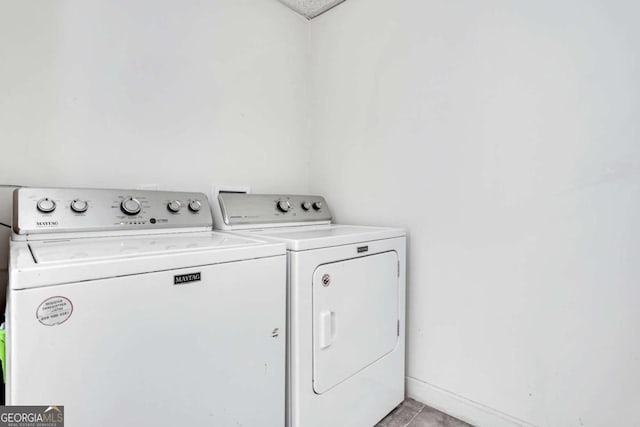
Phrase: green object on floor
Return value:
(3, 356)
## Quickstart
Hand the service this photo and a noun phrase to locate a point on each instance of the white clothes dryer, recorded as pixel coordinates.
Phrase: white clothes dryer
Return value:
(125, 308)
(346, 307)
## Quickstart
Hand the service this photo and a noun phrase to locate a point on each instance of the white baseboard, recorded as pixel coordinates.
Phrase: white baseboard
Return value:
(457, 406)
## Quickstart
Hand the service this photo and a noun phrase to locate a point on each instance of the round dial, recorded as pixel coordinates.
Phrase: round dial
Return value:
(174, 206)
(195, 205)
(284, 205)
(306, 206)
(46, 205)
(79, 206)
(130, 206)
(317, 205)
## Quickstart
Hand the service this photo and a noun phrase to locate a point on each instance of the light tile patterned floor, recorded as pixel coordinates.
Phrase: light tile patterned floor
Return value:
(411, 413)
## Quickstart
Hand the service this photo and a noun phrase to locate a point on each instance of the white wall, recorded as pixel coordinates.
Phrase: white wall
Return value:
(181, 94)
(506, 137)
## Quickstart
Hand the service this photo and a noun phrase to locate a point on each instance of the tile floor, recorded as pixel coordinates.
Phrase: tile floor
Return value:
(412, 413)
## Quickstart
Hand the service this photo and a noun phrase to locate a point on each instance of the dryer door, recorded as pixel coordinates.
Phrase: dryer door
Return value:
(355, 316)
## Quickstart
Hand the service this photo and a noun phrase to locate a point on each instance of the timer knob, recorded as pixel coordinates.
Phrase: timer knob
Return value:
(130, 206)
(284, 205)
(174, 206)
(79, 206)
(306, 206)
(46, 205)
(317, 205)
(195, 205)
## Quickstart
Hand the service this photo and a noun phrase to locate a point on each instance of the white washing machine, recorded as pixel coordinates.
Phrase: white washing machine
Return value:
(346, 307)
(128, 310)
(6, 201)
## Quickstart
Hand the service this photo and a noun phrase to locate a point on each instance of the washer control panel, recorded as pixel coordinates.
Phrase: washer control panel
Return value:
(240, 208)
(59, 210)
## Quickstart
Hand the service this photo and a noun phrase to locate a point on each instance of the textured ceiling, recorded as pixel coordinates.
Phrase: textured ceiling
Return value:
(311, 8)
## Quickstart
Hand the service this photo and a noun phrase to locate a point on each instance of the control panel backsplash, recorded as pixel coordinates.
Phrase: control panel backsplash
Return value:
(240, 209)
(56, 210)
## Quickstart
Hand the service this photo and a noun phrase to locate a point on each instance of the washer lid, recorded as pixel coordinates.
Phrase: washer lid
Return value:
(322, 236)
(78, 250)
(54, 262)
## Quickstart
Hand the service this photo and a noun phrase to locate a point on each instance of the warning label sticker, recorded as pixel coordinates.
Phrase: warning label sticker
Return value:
(54, 311)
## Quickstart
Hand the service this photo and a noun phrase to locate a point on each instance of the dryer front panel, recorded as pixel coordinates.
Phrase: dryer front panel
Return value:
(355, 316)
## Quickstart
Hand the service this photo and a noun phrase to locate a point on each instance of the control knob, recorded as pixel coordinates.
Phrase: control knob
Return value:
(174, 206)
(284, 205)
(79, 206)
(317, 205)
(195, 205)
(306, 206)
(130, 206)
(46, 205)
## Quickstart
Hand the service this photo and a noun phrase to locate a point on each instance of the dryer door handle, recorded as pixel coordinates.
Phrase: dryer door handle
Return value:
(327, 328)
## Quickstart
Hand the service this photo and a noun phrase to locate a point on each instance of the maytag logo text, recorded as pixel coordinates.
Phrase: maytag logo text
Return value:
(47, 223)
(182, 279)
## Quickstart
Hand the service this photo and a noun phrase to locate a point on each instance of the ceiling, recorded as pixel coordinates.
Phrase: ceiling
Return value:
(311, 8)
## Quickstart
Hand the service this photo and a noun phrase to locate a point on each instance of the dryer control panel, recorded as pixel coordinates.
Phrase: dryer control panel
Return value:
(255, 209)
(62, 210)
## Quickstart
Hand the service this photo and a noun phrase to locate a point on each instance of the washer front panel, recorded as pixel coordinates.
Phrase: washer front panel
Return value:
(107, 360)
